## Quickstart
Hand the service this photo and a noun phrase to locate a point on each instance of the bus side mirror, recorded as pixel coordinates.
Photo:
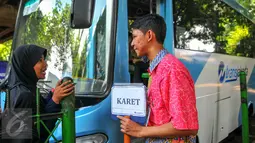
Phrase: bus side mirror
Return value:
(82, 13)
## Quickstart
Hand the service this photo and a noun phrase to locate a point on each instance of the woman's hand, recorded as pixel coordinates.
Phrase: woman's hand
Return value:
(62, 90)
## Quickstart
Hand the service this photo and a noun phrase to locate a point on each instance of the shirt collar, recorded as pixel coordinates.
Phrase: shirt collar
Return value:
(157, 59)
(145, 59)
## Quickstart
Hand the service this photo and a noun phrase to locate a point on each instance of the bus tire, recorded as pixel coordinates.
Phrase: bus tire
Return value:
(250, 110)
(197, 139)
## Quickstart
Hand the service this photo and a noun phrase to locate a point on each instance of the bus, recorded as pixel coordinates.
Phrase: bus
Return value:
(213, 38)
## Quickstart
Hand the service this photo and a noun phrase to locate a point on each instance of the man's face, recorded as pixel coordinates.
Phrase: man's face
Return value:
(40, 68)
(139, 42)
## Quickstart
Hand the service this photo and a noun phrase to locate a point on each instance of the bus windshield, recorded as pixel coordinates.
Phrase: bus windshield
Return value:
(82, 54)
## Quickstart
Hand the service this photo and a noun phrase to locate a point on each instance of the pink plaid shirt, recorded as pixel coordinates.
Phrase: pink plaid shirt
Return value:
(171, 95)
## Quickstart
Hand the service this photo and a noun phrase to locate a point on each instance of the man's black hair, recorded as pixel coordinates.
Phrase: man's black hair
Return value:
(152, 22)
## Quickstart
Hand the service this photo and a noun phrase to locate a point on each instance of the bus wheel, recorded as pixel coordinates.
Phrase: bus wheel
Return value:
(250, 110)
(197, 139)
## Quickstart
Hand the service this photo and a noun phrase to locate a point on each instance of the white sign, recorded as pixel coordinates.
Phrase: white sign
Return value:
(129, 99)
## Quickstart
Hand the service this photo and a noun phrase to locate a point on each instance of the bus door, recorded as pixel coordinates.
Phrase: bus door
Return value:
(137, 67)
(85, 54)
(137, 9)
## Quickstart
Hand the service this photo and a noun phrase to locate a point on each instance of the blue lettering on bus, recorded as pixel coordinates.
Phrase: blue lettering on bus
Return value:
(227, 74)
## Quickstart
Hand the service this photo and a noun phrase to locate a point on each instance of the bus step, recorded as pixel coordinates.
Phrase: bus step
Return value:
(252, 136)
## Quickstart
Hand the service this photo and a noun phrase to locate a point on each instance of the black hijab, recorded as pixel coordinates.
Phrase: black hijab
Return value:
(23, 61)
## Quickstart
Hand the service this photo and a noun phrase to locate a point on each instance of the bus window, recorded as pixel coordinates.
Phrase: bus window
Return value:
(212, 26)
(136, 66)
(82, 54)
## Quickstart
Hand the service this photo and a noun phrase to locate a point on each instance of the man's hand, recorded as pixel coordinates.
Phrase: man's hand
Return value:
(62, 90)
(136, 60)
(130, 127)
(166, 130)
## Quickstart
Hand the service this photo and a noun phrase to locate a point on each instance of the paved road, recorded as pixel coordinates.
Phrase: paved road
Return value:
(237, 138)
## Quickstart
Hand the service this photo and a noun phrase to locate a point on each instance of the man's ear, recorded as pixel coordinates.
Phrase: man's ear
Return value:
(150, 35)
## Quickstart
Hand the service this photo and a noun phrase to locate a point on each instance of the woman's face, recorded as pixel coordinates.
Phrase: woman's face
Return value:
(40, 68)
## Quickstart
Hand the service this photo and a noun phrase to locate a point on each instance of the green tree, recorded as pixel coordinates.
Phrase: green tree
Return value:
(53, 30)
(5, 50)
(231, 32)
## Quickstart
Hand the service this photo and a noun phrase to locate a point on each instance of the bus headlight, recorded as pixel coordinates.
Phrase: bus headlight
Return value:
(95, 138)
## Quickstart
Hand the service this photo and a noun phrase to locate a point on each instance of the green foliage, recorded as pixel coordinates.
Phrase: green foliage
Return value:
(5, 50)
(231, 32)
(53, 30)
(250, 6)
(130, 22)
(50, 30)
(234, 36)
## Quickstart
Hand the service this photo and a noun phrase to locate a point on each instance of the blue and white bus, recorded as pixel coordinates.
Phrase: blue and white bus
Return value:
(213, 38)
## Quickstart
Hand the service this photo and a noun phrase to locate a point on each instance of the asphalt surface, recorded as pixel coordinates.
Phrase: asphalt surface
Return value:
(237, 136)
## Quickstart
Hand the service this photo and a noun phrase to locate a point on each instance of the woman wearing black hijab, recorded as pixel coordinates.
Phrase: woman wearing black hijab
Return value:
(28, 66)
